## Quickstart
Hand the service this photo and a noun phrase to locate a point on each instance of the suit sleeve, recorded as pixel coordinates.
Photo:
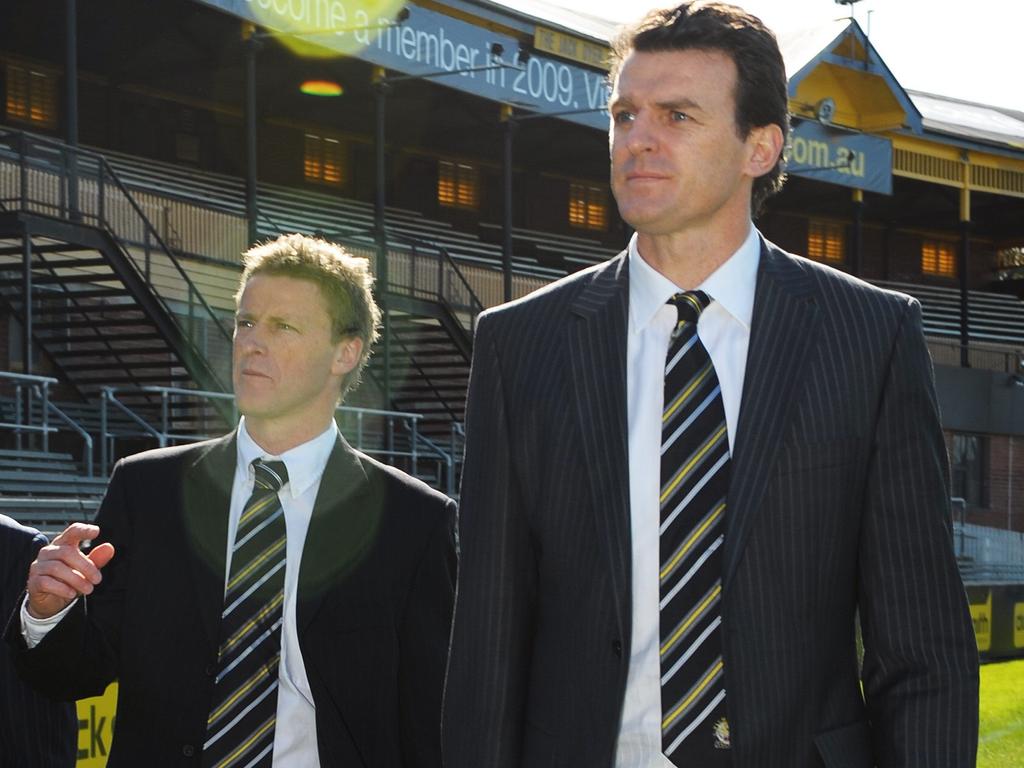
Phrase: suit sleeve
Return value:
(32, 729)
(79, 657)
(488, 668)
(424, 645)
(921, 662)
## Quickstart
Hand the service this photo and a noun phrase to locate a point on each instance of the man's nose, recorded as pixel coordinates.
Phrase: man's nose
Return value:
(640, 137)
(250, 340)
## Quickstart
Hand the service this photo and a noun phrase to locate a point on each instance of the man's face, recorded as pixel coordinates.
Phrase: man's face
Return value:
(287, 371)
(678, 164)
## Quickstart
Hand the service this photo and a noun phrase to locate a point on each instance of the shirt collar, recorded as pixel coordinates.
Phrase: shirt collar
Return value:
(732, 285)
(305, 463)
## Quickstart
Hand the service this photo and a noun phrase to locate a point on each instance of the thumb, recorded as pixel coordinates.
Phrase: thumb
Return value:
(101, 555)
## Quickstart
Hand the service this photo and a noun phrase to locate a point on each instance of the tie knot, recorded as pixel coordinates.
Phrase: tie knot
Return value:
(271, 475)
(689, 305)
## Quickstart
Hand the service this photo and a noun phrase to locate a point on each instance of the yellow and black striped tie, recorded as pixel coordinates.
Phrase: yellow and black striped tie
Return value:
(694, 484)
(240, 727)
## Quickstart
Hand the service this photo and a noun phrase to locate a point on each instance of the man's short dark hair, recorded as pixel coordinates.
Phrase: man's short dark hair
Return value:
(762, 96)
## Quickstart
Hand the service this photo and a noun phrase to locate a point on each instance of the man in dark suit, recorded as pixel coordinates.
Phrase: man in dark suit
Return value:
(273, 594)
(33, 731)
(689, 468)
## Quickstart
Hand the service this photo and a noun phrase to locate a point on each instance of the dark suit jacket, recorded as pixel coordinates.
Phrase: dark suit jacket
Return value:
(373, 612)
(34, 732)
(838, 502)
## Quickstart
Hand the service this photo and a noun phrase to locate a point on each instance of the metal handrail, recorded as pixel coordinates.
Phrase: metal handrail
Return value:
(447, 458)
(476, 306)
(164, 436)
(19, 141)
(40, 385)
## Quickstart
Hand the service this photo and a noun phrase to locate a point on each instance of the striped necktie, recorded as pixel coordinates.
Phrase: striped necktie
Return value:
(694, 484)
(240, 727)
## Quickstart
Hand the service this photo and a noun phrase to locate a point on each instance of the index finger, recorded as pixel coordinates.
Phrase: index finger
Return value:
(76, 533)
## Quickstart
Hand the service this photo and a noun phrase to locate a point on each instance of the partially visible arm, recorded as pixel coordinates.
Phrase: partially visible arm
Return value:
(921, 658)
(425, 631)
(79, 656)
(33, 730)
(489, 663)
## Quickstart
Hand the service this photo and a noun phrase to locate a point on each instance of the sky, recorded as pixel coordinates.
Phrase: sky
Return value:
(967, 49)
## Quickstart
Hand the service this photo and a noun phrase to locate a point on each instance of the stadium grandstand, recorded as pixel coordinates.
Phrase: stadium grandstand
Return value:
(461, 147)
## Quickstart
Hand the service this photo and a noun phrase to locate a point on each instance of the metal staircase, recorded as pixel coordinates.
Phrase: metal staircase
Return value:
(79, 264)
(84, 270)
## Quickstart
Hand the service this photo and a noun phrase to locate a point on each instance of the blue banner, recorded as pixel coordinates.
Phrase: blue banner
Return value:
(428, 43)
(840, 157)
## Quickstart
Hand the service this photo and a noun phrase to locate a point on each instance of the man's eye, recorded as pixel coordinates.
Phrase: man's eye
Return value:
(285, 327)
(623, 116)
(679, 117)
(239, 323)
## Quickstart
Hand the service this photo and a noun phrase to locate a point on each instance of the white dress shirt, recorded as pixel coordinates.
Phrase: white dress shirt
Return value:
(724, 329)
(295, 733)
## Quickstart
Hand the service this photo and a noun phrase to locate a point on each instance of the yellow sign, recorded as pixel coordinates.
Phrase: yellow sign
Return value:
(96, 728)
(981, 615)
(572, 48)
(1018, 625)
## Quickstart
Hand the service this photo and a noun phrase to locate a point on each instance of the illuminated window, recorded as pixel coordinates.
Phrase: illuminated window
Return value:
(31, 96)
(324, 160)
(588, 206)
(826, 241)
(457, 184)
(938, 258)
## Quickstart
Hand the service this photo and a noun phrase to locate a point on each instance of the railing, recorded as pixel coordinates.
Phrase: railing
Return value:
(416, 268)
(39, 388)
(988, 554)
(49, 177)
(988, 357)
(417, 448)
(429, 272)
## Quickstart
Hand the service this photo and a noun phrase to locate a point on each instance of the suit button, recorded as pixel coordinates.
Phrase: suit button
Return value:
(617, 648)
(211, 669)
(188, 750)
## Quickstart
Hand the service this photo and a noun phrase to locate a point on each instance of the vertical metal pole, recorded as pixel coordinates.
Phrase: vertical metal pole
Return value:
(251, 48)
(506, 250)
(380, 200)
(19, 416)
(383, 285)
(104, 437)
(45, 406)
(71, 104)
(26, 293)
(963, 259)
(857, 241)
(23, 169)
(412, 447)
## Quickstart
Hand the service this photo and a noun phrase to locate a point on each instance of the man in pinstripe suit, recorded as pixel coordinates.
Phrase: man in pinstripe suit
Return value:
(33, 730)
(785, 409)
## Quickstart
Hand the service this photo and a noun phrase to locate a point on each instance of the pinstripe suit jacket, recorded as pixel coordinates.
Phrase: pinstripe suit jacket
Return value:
(838, 503)
(34, 732)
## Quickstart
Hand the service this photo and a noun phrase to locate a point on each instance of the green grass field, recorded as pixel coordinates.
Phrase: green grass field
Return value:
(1002, 715)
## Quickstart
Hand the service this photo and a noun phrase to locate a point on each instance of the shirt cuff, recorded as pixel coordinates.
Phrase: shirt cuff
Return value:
(33, 630)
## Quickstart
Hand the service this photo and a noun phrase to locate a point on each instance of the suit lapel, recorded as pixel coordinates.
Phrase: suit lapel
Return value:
(206, 503)
(597, 348)
(346, 516)
(784, 330)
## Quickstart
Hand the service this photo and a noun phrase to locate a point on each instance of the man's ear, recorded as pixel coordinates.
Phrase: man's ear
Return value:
(765, 144)
(346, 355)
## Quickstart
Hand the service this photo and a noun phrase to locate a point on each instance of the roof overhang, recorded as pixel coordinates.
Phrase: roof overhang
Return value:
(848, 71)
